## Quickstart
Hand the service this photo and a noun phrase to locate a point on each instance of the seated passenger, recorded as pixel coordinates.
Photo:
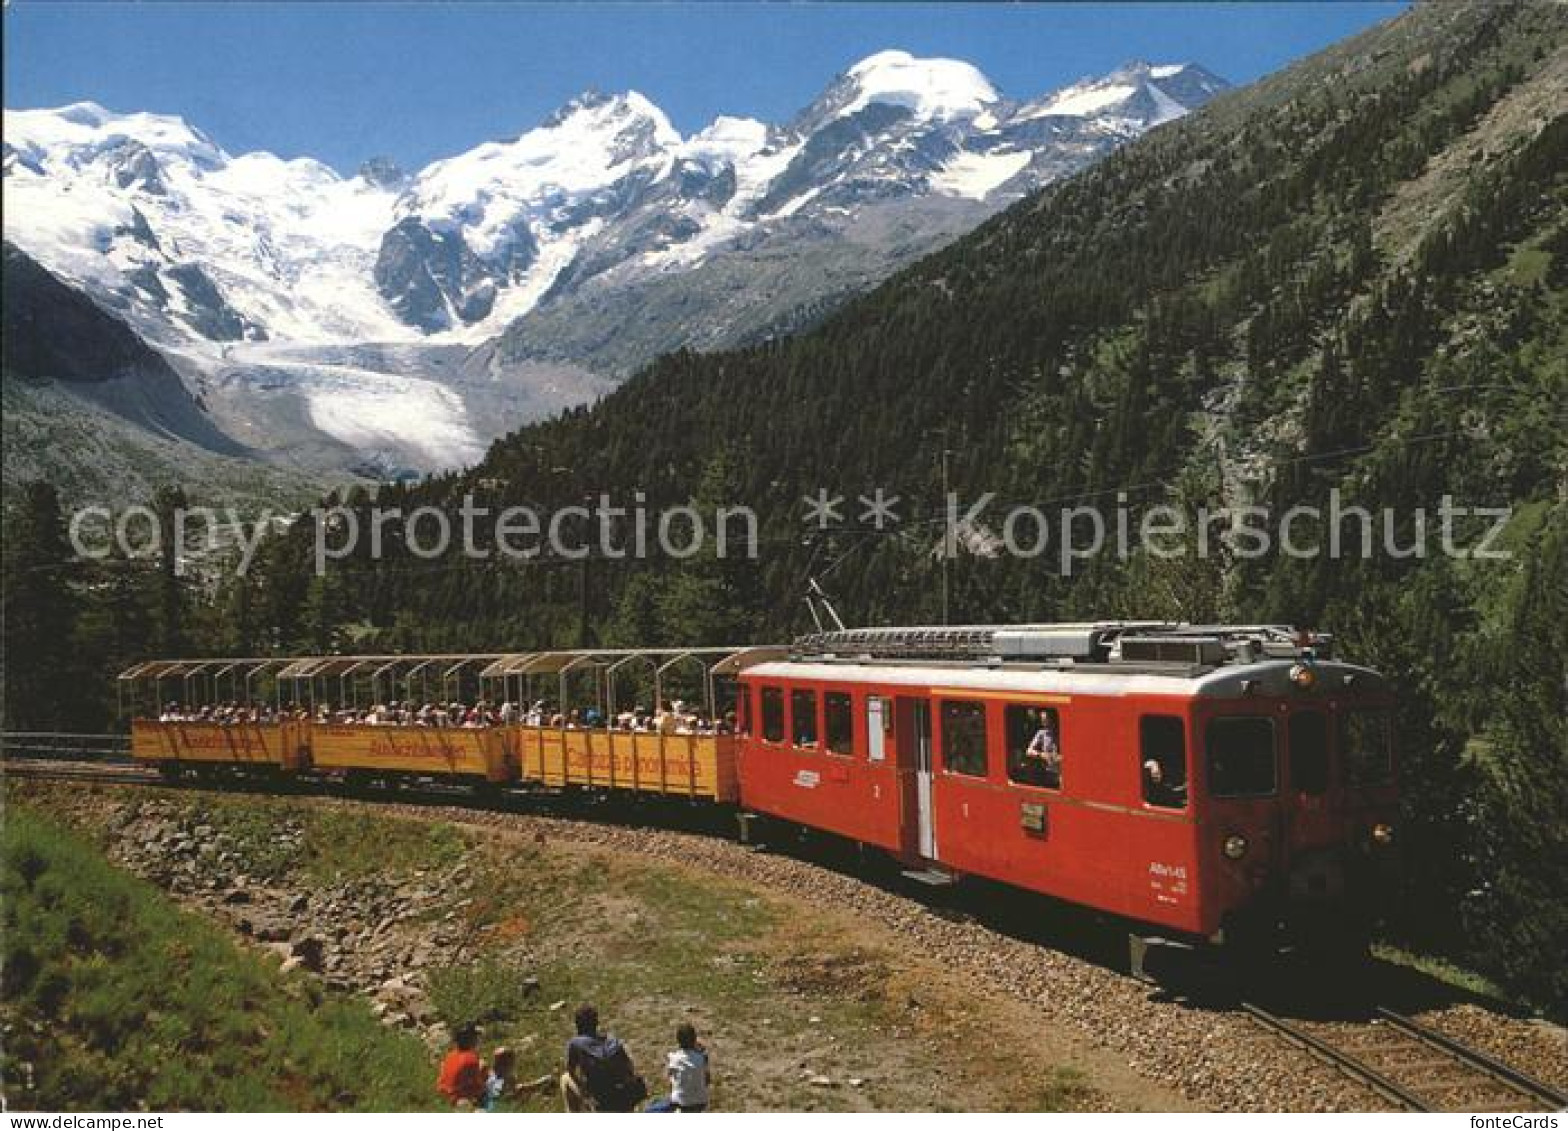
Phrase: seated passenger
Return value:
(1159, 790)
(1040, 762)
(1043, 745)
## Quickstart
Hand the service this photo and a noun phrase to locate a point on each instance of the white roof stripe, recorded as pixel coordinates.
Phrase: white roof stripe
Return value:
(1073, 682)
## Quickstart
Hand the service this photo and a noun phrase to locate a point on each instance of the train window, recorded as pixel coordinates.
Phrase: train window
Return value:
(879, 727)
(1034, 751)
(1241, 757)
(772, 714)
(1366, 747)
(803, 717)
(743, 711)
(963, 737)
(1308, 752)
(838, 713)
(1162, 754)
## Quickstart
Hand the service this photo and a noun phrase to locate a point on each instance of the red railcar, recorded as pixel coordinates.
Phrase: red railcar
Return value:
(1214, 783)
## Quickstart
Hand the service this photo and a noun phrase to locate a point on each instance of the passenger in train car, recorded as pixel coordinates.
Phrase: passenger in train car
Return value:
(509, 713)
(1160, 788)
(1042, 758)
(1034, 755)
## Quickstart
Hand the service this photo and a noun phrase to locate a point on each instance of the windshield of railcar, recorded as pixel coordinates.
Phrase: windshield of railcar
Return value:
(1241, 757)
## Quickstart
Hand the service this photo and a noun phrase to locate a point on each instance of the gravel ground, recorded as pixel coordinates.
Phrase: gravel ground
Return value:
(1536, 1048)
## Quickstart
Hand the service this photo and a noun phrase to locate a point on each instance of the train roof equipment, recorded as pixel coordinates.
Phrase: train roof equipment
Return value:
(1158, 646)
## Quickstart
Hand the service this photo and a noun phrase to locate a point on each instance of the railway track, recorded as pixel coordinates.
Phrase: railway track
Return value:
(1411, 1067)
(1408, 1066)
(60, 770)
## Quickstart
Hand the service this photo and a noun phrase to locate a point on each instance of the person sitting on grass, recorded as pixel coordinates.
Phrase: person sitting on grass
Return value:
(500, 1084)
(599, 1073)
(690, 1074)
(462, 1080)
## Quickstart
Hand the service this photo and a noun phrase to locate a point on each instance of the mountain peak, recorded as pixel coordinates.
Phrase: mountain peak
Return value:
(89, 114)
(383, 172)
(931, 88)
(1152, 92)
(82, 130)
(594, 105)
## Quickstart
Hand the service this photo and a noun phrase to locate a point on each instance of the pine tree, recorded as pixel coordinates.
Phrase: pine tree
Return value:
(42, 684)
(173, 587)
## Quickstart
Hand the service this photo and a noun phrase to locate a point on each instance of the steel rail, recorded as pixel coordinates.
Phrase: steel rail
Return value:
(1477, 1060)
(1349, 1065)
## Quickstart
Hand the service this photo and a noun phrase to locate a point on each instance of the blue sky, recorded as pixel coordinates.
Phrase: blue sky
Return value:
(343, 82)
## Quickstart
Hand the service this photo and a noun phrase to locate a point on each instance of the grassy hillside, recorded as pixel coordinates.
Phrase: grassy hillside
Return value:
(115, 1000)
(55, 432)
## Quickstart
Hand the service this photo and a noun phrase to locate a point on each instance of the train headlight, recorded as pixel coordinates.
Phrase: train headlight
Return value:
(1234, 846)
(1303, 676)
(1382, 834)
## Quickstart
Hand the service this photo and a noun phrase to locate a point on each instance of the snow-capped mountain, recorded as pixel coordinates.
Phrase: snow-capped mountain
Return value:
(153, 217)
(157, 222)
(545, 244)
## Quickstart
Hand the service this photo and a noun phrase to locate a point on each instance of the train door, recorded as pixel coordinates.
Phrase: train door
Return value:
(912, 736)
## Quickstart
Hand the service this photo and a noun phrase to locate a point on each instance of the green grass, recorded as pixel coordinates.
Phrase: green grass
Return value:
(340, 845)
(331, 845)
(117, 999)
(1446, 972)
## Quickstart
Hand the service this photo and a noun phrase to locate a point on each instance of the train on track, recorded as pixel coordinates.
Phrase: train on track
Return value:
(1224, 784)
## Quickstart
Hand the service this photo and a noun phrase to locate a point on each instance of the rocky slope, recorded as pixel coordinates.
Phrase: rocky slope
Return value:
(91, 407)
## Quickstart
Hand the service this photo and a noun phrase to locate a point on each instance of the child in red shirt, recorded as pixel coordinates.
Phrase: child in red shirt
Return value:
(462, 1078)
